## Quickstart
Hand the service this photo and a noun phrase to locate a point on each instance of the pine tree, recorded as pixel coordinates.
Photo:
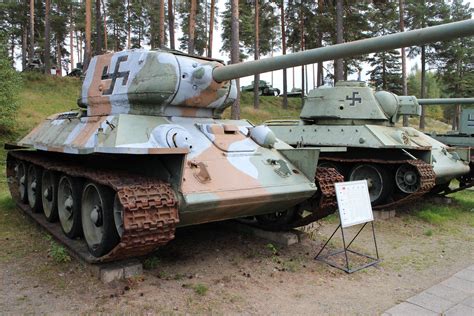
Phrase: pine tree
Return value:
(235, 53)
(117, 23)
(455, 62)
(421, 14)
(386, 73)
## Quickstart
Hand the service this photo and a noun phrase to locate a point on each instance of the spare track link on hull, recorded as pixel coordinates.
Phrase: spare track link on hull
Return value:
(427, 179)
(150, 205)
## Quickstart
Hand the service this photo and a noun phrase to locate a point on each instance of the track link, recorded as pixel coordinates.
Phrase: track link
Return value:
(150, 206)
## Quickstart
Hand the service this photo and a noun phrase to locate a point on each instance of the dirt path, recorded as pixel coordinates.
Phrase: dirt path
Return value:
(210, 269)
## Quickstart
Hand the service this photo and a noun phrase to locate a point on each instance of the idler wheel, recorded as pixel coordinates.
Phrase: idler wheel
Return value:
(98, 219)
(407, 179)
(278, 220)
(20, 172)
(378, 180)
(69, 206)
(33, 188)
(49, 186)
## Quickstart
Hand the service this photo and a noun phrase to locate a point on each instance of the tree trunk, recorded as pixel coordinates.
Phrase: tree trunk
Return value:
(105, 27)
(192, 27)
(87, 52)
(302, 49)
(71, 38)
(320, 80)
(79, 47)
(161, 24)
(256, 78)
(338, 64)
(31, 52)
(24, 43)
(171, 22)
(423, 87)
(404, 57)
(129, 27)
(59, 70)
(284, 103)
(211, 28)
(98, 27)
(235, 54)
(47, 38)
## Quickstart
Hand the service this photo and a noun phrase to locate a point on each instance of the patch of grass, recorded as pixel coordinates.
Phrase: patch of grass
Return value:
(6, 203)
(332, 218)
(272, 248)
(428, 232)
(270, 108)
(200, 289)
(151, 263)
(437, 215)
(57, 251)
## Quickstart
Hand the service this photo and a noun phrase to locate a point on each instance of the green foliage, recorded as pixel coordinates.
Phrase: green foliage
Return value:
(386, 69)
(420, 14)
(432, 90)
(11, 83)
(269, 28)
(273, 249)
(57, 251)
(151, 263)
(201, 34)
(428, 232)
(435, 214)
(270, 108)
(200, 289)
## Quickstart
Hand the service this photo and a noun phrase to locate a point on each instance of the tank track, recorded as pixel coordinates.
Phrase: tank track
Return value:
(150, 205)
(324, 203)
(427, 177)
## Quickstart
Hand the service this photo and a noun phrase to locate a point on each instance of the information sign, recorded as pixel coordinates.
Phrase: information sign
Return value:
(354, 203)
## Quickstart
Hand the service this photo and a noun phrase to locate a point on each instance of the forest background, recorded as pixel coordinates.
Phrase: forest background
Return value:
(52, 34)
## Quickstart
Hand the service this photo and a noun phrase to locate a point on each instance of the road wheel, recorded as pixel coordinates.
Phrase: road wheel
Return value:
(49, 186)
(69, 206)
(98, 219)
(20, 171)
(378, 180)
(33, 188)
(407, 179)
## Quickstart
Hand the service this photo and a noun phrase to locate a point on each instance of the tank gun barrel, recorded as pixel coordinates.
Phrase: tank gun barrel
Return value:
(446, 101)
(431, 34)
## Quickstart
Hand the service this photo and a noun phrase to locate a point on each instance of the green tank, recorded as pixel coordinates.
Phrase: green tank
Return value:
(399, 163)
(147, 151)
(461, 138)
(264, 88)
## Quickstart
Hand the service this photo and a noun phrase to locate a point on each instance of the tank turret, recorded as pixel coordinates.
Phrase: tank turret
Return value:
(147, 152)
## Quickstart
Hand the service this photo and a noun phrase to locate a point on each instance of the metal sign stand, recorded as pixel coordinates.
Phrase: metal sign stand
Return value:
(354, 209)
(347, 268)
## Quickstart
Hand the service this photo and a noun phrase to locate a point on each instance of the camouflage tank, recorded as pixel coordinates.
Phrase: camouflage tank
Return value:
(147, 152)
(399, 163)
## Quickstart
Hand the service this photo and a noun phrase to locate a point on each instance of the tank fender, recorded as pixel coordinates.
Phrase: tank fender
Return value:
(305, 159)
(461, 153)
